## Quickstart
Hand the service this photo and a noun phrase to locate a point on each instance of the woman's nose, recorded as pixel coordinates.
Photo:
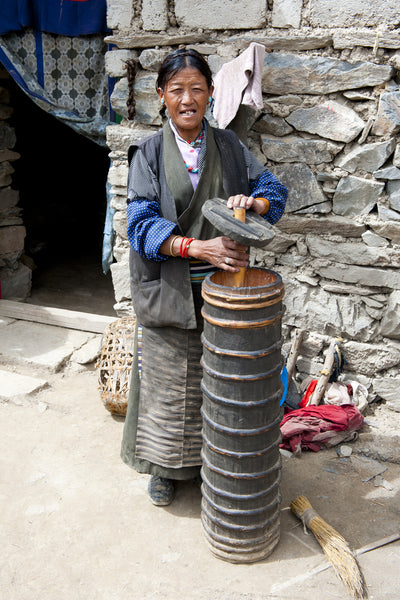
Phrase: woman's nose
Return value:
(186, 96)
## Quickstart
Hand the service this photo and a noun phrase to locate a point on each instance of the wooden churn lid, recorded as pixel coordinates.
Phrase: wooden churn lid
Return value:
(256, 231)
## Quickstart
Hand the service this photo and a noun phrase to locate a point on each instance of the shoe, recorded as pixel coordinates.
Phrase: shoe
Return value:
(161, 490)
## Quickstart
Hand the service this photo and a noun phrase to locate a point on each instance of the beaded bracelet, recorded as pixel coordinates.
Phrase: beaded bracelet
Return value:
(171, 249)
(267, 205)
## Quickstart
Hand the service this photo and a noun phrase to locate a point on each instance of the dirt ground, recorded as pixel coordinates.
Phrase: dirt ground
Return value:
(77, 522)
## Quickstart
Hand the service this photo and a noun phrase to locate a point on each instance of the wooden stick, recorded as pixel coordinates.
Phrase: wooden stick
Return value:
(378, 544)
(60, 317)
(325, 373)
(294, 353)
(238, 278)
(298, 579)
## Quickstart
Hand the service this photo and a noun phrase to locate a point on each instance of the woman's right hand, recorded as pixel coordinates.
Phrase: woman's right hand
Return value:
(222, 252)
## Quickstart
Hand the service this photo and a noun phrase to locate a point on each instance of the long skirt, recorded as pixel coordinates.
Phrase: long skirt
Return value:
(162, 433)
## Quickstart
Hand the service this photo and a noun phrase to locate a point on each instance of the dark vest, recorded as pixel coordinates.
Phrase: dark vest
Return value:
(161, 291)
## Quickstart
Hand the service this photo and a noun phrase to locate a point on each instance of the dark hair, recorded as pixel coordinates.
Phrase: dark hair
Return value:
(180, 59)
(131, 70)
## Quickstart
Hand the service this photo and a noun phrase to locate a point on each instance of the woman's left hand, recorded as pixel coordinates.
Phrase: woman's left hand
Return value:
(247, 202)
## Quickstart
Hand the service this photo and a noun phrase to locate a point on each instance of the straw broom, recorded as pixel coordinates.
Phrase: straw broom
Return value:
(334, 546)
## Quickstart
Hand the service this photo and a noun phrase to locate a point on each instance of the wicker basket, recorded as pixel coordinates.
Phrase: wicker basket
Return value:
(115, 364)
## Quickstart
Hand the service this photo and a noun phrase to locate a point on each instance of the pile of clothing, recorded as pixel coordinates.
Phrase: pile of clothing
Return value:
(334, 422)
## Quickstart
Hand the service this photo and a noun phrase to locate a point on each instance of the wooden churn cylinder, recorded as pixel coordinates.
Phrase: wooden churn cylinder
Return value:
(241, 412)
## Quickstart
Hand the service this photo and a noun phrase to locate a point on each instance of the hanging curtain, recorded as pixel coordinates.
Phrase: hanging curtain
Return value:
(65, 17)
(54, 50)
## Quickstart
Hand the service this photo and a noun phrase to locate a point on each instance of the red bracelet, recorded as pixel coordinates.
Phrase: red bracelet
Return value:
(181, 246)
(187, 243)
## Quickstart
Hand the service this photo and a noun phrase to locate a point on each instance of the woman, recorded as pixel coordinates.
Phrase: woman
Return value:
(171, 174)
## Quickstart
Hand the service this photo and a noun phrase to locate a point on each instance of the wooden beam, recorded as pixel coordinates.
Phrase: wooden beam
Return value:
(59, 317)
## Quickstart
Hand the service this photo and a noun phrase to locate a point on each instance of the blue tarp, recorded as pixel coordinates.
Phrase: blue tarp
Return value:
(63, 17)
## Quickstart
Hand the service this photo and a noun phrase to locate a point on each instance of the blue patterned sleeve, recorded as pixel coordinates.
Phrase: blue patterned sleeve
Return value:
(268, 186)
(147, 229)
(263, 184)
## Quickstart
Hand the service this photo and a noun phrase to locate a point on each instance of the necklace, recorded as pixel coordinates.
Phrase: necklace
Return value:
(197, 142)
(191, 169)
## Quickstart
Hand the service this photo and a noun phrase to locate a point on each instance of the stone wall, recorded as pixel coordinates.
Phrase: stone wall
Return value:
(15, 277)
(329, 130)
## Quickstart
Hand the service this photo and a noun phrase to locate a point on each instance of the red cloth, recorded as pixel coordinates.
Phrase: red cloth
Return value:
(313, 427)
(311, 387)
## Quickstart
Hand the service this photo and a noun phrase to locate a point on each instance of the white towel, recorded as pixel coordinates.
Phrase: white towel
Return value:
(239, 82)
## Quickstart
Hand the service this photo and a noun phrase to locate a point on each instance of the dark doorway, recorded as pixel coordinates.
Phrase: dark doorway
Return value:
(61, 177)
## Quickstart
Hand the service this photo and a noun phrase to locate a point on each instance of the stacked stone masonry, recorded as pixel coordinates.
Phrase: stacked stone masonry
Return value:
(15, 277)
(329, 130)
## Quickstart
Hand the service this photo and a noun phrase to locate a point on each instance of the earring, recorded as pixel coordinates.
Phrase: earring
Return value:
(209, 99)
(162, 100)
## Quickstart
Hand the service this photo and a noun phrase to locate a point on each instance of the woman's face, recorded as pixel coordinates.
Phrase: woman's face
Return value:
(186, 98)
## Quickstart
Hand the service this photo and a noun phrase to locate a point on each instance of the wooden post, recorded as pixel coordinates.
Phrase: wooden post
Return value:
(238, 278)
(294, 352)
(325, 373)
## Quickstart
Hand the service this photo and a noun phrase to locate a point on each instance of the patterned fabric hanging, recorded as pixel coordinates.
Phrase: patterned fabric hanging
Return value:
(64, 75)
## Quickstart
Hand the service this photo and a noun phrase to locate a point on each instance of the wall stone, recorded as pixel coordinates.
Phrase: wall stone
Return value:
(147, 102)
(356, 196)
(356, 13)
(221, 14)
(389, 278)
(152, 59)
(15, 277)
(115, 61)
(366, 157)
(368, 38)
(118, 175)
(120, 280)
(326, 313)
(388, 119)
(297, 74)
(7, 136)
(155, 15)
(329, 120)
(12, 239)
(287, 13)
(302, 185)
(388, 389)
(390, 324)
(296, 149)
(364, 358)
(120, 14)
(352, 252)
(16, 283)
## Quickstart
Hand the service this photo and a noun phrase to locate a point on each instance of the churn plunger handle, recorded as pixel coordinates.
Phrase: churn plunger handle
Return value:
(238, 278)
